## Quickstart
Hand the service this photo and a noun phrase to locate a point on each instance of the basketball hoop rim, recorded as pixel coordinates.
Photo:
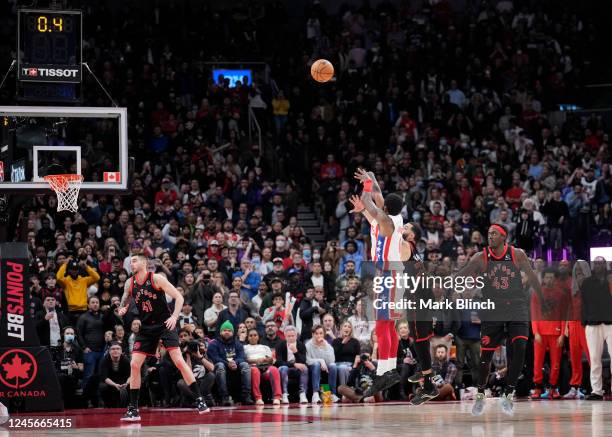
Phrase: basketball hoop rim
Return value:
(60, 182)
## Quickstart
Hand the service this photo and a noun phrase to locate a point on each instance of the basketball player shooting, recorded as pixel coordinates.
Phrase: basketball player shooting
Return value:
(149, 290)
(501, 264)
(392, 244)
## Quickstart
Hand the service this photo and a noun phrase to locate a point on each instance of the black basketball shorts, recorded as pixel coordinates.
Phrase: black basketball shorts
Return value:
(147, 339)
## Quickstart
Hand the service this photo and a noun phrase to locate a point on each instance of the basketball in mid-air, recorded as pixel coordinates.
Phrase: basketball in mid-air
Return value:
(322, 70)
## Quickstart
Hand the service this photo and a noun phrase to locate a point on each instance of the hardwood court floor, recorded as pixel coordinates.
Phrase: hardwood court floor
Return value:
(441, 419)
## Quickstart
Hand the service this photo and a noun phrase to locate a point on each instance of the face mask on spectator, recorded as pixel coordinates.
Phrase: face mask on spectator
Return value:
(256, 260)
(306, 254)
(416, 217)
(69, 338)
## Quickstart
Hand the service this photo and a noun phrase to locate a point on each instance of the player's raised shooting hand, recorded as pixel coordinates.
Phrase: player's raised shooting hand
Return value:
(361, 175)
(171, 322)
(357, 204)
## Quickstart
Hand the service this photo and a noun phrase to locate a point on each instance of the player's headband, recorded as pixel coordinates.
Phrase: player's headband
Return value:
(499, 229)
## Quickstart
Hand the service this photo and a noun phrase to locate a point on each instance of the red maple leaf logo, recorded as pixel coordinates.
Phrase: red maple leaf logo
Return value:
(19, 368)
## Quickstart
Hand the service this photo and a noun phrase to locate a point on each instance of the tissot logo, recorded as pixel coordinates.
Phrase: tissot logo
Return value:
(50, 72)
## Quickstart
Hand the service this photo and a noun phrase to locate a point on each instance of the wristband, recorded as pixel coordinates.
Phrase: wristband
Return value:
(367, 186)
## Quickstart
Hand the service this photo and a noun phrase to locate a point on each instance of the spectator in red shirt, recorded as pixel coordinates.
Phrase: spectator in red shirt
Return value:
(466, 199)
(408, 124)
(213, 250)
(513, 194)
(331, 169)
(166, 195)
(436, 213)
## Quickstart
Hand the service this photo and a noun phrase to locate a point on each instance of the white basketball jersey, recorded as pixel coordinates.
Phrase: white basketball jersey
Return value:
(387, 248)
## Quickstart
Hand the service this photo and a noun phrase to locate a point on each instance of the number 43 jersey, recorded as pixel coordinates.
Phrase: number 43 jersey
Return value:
(150, 301)
(503, 283)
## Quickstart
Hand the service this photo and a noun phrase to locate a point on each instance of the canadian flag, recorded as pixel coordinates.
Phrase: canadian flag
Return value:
(112, 176)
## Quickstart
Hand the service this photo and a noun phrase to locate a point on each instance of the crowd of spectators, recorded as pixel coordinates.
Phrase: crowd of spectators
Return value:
(456, 111)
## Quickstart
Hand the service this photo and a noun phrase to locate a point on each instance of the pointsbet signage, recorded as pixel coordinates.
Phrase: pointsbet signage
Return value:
(27, 371)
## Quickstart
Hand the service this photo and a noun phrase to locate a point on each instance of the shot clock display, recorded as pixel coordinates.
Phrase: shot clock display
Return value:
(49, 45)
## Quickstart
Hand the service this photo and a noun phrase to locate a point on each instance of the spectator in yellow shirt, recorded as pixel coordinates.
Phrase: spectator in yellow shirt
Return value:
(280, 108)
(70, 278)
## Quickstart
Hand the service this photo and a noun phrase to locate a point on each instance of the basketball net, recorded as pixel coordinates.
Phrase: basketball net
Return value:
(66, 187)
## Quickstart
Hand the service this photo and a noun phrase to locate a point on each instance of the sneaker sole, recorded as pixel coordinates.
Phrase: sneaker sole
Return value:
(374, 389)
(425, 398)
(130, 419)
(204, 411)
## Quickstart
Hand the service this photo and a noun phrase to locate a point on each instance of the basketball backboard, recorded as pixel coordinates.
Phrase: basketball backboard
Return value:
(37, 141)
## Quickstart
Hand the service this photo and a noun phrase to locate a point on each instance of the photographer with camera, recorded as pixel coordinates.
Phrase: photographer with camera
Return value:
(359, 381)
(69, 365)
(195, 354)
(202, 295)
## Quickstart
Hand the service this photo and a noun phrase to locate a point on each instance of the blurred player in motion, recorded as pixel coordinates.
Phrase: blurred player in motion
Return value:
(502, 264)
(148, 290)
(392, 244)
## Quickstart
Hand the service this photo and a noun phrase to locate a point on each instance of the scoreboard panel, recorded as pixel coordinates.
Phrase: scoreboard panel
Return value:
(49, 46)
